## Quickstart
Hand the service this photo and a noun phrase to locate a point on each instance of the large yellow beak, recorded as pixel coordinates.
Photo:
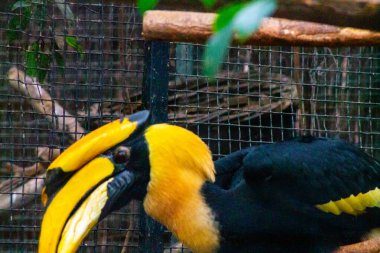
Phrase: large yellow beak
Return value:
(74, 175)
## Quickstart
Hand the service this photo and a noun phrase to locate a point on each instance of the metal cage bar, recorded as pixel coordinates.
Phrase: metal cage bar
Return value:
(155, 99)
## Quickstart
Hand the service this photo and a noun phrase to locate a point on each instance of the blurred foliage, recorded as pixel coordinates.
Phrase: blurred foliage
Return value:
(36, 61)
(145, 5)
(239, 20)
(40, 53)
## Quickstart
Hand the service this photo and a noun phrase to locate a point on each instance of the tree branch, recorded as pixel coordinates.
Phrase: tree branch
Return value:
(43, 103)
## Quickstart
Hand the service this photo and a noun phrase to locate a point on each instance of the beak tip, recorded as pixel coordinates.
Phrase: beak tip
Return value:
(140, 117)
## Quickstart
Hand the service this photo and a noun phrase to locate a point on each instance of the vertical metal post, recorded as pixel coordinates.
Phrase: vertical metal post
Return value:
(156, 79)
(155, 99)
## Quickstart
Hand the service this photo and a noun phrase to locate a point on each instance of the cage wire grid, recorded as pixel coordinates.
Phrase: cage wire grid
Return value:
(261, 95)
(267, 94)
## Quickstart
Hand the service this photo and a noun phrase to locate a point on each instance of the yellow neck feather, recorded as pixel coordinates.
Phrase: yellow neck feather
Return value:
(180, 164)
(179, 205)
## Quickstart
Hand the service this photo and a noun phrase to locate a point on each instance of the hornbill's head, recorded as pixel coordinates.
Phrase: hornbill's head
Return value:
(163, 165)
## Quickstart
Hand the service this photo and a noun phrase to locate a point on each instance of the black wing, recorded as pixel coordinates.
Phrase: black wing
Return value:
(311, 170)
(272, 193)
(229, 169)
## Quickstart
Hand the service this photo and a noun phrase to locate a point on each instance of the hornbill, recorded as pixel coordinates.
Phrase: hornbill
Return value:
(303, 195)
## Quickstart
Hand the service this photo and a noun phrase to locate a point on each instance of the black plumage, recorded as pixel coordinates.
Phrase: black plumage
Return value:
(265, 197)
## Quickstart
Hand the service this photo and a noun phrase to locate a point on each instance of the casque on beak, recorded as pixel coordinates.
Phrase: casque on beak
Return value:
(82, 185)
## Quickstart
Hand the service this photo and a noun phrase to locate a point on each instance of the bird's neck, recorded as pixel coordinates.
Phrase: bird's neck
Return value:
(178, 204)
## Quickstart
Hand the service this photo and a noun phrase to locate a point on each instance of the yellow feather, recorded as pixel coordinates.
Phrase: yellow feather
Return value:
(329, 207)
(176, 176)
(376, 195)
(366, 200)
(343, 205)
(353, 205)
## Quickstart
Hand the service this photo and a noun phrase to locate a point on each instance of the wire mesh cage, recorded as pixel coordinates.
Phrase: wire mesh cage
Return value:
(90, 71)
(267, 94)
(81, 90)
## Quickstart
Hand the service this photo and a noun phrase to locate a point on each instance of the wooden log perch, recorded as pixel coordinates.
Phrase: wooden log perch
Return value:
(29, 171)
(354, 13)
(18, 192)
(21, 195)
(196, 27)
(43, 103)
(369, 246)
(45, 155)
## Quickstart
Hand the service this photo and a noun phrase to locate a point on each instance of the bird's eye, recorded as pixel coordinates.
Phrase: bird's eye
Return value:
(121, 154)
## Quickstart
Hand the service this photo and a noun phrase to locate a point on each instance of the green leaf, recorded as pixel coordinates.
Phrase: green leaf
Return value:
(145, 5)
(20, 4)
(226, 15)
(43, 65)
(31, 60)
(17, 24)
(241, 19)
(208, 3)
(216, 50)
(248, 19)
(72, 42)
(36, 62)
